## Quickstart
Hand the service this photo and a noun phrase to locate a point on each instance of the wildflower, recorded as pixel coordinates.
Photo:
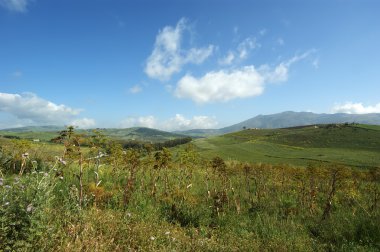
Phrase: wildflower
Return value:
(30, 208)
(8, 186)
(25, 155)
(62, 161)
(152, 238)
(129, 215)
(6, 203)
(46, 174)
(61, 178)
(167, 233)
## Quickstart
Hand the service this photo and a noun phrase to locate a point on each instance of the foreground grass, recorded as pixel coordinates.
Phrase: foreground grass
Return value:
(153, 201)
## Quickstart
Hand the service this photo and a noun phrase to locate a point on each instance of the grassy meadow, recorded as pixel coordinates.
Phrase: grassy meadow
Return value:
(352, 145)
(295, 189)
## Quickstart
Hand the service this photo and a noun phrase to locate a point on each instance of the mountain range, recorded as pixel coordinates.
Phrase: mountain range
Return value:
(288, 119)
(280, 120)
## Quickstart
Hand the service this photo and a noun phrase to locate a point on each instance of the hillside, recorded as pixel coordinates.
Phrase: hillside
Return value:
(355, 145)
(291, 119)
(45, 133)
(141, 134)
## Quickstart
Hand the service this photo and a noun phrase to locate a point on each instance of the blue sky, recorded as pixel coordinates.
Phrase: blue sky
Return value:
(185, 64)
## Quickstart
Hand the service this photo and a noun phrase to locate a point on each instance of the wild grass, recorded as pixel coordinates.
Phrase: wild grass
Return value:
(177, 201)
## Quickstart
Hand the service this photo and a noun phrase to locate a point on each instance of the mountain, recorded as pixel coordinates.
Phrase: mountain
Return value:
(292, 119)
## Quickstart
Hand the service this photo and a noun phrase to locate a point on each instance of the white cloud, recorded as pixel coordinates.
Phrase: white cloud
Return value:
(221, 85)
(83, 123)
(135, 89)
(225, 85)
(29, 109)
(168, 57)
(14, 5)
(246, 46)
(355, 108)
(228, 59)
(242, 51)
(178, 122)
(142, 121)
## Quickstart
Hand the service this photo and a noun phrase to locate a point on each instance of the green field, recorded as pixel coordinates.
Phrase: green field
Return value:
(353, 145)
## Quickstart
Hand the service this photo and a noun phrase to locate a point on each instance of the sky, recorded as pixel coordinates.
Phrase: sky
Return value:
(181, 64)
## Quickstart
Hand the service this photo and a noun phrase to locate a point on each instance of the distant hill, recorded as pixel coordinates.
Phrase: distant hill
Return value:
(291, 119)
(47, 128)
(45, 133)
(141, 134)
(199, 132)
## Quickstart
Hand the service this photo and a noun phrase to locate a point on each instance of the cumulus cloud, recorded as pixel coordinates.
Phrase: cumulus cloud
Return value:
(221, 85)
(355, 108)
(135, 89)
(14, 5)
(83, 123)
(178, 122)
(168, 57)
(28, 108)
(142, 121)
(225, 85)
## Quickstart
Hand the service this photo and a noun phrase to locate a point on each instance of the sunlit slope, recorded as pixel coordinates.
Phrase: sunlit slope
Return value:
(355, 145)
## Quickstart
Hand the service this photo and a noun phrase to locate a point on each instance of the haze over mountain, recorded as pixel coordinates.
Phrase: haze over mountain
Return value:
(291, 119)
(273, 121)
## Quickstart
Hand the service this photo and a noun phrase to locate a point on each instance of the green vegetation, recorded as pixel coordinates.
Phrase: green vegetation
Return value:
(130, 134)
(65, 197)
(347, 144)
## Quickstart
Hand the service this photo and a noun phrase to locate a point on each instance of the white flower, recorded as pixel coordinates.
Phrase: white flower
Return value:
(152, 238)
(62, 161)
(29, 208)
